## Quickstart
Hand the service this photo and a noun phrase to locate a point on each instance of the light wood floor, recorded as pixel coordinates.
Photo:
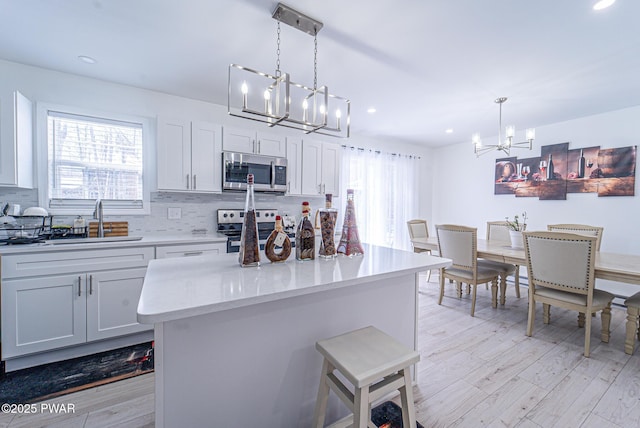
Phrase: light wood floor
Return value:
(473, 372)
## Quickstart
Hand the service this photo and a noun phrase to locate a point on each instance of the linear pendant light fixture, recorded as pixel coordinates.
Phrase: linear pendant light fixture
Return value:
(277, 101)
(506, 145)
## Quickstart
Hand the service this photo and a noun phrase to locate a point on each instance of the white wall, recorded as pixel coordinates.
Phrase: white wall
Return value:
(41, 85)
(463, 185)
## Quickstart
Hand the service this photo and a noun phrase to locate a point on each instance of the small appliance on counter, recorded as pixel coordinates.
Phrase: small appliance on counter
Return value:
(230, 224)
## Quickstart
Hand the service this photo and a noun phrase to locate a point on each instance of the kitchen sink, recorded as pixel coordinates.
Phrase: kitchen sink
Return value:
(92, 240)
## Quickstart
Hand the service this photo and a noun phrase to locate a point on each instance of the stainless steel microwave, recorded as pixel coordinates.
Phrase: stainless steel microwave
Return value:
(269, 173)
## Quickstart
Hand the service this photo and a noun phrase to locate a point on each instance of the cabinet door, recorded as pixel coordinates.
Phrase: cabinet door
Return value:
(271, 145)
(39, 314)
(206, 157)
(238, 140)
(174, 154)
(112, 303)
(170, 251)
(331, 166)
(294, 165)
(16, 151)
(311, 167)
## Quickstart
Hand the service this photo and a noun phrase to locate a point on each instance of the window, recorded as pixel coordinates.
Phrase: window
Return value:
(385, 194)
(92, 157)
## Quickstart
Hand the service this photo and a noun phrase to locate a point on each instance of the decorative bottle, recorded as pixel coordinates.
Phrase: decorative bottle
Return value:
(581, 164)
(350, 241)
(328, 217)
(249, 246)
(305, 236)
(277, 240)
(550, 172)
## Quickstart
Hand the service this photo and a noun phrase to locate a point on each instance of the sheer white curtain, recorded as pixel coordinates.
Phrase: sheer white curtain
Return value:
(384, 193)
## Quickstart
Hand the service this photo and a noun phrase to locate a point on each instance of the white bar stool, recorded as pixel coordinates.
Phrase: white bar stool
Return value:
(633, 312)
(375, 364)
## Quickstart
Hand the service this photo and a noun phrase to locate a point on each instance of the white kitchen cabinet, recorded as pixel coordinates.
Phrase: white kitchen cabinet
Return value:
(170, 251)
(56, 299)
(320, 168)
(247, 141)
(189, 156)
(294, 165)
(112, 303)
(16, 147)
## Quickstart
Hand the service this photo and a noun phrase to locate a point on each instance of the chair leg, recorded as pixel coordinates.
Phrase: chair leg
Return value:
(546, 313)
(441, 286)
(323, 396)
(468, 289)
(459, 289)
(516, 280)
(473, 299)
(606, 323)
(361, 407)
(428, 275)
(632, 329)
(587, 336)
(406, 396)
(532, 312)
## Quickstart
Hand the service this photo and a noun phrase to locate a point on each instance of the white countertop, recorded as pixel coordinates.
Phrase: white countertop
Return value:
(190, 286)
(150, 240)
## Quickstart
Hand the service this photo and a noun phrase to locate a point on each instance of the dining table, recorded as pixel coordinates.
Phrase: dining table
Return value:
(610, 266)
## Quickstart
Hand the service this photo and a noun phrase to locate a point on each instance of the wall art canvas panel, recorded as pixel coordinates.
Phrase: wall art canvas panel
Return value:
(581, 169)
(616, 171)
(553, 172)
(505, 173)
(528, 187)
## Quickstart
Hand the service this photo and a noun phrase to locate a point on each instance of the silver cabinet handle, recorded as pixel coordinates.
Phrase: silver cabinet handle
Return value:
(193, 253)
(319, 188)
(258, 146)
(288, 187)
(254, 146)
(194, 182)
(79, 286)
(187, 181)
(90, 284)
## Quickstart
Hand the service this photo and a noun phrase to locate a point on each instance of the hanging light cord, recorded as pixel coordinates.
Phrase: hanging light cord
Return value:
(278, 73)
(315, 60)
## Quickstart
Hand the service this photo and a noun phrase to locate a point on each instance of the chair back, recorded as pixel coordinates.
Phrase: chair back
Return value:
(498, 231)
(460, 244)
(580, 229)
(560, 260)
(418, 229)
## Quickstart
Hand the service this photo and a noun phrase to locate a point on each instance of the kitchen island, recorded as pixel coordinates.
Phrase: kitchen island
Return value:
(236, 346)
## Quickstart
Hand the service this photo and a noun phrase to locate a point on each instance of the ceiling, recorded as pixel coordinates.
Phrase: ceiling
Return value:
(425, 65)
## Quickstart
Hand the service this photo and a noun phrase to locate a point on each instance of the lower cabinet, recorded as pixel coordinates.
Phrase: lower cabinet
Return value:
(46, 312)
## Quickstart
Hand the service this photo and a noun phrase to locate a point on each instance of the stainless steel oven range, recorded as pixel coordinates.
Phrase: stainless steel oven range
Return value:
(230, 224)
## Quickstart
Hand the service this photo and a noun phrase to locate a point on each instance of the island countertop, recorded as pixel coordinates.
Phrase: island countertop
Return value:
(186, 287)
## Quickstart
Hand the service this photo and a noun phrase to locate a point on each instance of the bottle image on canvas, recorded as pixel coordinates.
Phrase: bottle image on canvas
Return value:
(249, 246)
(305, 236)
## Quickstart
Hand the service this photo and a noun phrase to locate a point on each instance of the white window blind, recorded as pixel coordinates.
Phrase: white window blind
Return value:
(93, 157)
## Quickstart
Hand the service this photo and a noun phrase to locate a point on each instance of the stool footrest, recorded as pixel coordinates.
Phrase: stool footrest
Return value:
(341, 390)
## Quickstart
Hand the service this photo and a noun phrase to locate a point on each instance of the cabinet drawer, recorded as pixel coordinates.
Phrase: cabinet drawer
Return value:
(61, 262)
(169, 251)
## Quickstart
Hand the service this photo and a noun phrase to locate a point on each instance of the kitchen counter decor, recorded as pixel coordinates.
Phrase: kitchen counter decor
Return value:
(350, 241)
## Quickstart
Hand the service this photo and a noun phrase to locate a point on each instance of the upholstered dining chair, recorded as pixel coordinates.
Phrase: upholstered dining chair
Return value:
(498, 231)
(419, 229)
(580, 229)
(561, 273)
(460, 244)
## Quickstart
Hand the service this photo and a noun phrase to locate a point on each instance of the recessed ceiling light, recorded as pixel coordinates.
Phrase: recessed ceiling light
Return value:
(371, 110)
(87, 59)
(603, 4)
(449, 131)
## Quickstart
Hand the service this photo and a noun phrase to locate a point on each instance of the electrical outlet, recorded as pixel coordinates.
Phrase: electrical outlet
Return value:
(174, 213)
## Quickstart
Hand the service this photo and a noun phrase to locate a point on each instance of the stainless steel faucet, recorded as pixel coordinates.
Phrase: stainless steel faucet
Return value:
(98, 214)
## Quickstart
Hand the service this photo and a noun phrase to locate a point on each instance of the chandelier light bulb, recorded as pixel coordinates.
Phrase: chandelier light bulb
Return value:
(511, 131)
(323, 110)
(245, 90)
(531, 134)
(475, 139)
(338, 114)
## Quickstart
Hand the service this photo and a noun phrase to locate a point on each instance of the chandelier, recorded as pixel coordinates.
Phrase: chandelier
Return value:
(278, 101)
(507, 144)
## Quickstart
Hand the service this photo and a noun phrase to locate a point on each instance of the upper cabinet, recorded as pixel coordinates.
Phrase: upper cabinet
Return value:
(294, 165)
(189, 156)
(16, 144)
(320, 168)
(247, 141)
